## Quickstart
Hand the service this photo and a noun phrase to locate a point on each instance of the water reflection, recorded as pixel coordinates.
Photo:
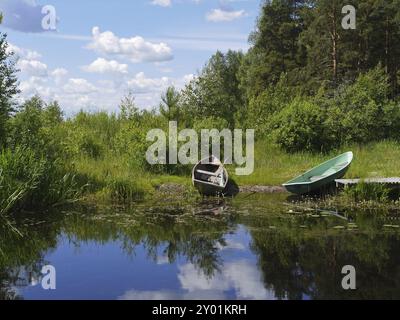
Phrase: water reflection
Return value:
(252, 248)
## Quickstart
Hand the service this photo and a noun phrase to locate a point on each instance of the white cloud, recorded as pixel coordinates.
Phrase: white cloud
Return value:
(142, 84)
(59, 72)
(35, 86)
(33, 67)
(135, 49)
(79, 86)
(23, 53)
(188, 77)
(220, 15)
(101, 65)
(59, 75)
(162, 3)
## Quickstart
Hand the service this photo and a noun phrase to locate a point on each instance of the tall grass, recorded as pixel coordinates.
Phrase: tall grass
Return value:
(366, 192)
(28, 181)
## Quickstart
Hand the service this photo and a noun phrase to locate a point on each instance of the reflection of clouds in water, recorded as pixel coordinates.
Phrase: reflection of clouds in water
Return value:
(242, 277)
(162, 260)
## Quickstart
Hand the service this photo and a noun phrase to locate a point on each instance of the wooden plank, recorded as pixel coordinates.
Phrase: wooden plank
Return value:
(393, 180)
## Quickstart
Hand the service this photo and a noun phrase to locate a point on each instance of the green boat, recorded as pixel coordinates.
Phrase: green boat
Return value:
(320, 176)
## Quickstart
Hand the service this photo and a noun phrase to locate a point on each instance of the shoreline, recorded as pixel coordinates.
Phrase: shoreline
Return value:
(261, 189)
(181, 188)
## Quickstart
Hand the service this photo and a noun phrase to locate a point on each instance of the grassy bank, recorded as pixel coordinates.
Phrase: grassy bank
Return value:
(111, 177)
(274, 166)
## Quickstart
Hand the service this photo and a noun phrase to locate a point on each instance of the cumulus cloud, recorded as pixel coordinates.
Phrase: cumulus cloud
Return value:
(79, 86)
(33, 67)
(59, 72)
(140, 83)
(135, 49)
(161, 3)
(59, 75)
(143, 84)
(33, 85)
(23, 53)
(220, 15)
(22, 15)
(101, 65)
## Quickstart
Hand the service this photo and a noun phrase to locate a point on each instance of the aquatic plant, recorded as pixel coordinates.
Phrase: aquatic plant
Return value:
(367, 192)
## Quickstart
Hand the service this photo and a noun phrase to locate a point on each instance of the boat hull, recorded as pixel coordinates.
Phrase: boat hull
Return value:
(320, 176)
(315, 186)
(208, 189)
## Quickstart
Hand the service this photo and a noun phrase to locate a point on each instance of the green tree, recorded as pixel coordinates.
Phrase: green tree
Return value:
(8, 86)
(169, 106)
(128, 108)
(275, 46)
(215, 92)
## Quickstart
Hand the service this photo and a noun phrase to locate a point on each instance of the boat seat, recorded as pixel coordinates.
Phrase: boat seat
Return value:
(214, 174)
(315, 178)
(340, 166)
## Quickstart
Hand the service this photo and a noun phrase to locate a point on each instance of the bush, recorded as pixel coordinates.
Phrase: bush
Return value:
(89, 147)
(300, 126)
(361, 112)
(210, 123)
(263, 107)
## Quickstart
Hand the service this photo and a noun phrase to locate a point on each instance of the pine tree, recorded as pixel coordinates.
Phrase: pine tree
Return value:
(275, 45)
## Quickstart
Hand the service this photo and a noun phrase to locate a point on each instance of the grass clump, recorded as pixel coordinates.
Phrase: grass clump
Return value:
(367, 192)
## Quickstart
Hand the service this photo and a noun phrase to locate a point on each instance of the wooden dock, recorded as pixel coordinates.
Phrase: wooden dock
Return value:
(390, 182)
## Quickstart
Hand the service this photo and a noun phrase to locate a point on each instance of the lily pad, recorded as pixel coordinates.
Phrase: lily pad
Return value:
(339, 227)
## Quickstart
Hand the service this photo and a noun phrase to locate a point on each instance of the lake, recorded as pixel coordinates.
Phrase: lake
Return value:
(251, 247)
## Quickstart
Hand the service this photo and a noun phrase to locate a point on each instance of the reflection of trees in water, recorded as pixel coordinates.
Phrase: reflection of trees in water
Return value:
(167, 231)
(21, 256)
(295, 262)
(177, 231)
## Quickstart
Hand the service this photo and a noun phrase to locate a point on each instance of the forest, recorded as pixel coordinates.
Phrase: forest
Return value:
(306, 85)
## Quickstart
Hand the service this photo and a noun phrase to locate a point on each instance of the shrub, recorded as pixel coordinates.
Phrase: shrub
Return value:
(300, 126)
(89, 147)
(209, 123)
(361, 112)
(264, 106)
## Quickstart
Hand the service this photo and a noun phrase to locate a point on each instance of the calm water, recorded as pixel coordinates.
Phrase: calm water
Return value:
(256, 247)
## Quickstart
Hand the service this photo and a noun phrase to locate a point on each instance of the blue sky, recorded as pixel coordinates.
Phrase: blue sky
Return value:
(102, 49)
